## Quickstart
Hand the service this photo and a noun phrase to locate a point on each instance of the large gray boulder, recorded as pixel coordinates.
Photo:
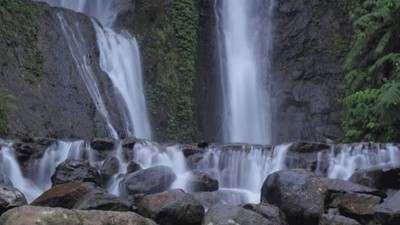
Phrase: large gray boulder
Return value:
(33, 215)
(171, 207)
(10, 198)
(220, 214)
(378, 177)
(298, 193)
(388, 213)
(75, 171)
(149, 181)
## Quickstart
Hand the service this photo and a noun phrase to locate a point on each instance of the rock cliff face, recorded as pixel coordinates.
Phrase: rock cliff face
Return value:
(56, 102)
(310, 42)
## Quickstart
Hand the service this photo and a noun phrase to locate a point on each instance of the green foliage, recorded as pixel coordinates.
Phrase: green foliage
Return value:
(171, 57)
(5, 111)
(372, 85)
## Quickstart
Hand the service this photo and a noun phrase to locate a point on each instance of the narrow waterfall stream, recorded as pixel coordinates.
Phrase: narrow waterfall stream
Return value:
(244, 39)
(119, 58)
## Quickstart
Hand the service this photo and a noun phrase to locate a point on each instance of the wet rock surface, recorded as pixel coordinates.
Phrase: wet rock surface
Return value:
(378, 177)
(10, 198)
(388, 212)
(336, 220)
(75, 171)
(228, 214)
(297, 192)
(98, 199)
(172, 207)
(33, 215)
(268, 211)
(153, 180)
(201, 181)
(64, 195)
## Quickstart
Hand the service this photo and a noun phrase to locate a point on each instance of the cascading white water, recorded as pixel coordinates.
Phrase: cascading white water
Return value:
(353, 157)
(37, 179)
(76, 42)
(119, 58)
(243, 172)
(244, 69)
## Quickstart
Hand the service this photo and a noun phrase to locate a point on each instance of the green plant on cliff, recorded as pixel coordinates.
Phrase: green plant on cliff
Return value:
(171, 56)
(372, 83)
(18, 34)
(5, 111)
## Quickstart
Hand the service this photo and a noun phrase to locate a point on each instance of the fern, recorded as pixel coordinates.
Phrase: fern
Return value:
(371, 87)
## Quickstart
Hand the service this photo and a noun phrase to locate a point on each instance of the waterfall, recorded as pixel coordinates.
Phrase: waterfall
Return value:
(360, 156)
(119, 58)
(244, 39)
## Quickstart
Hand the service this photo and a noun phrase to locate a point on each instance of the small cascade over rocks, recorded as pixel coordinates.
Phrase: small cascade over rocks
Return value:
(240, 171)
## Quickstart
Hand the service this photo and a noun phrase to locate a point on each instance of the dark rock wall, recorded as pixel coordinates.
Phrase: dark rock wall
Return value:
(310, 42)
(208, 96)
(57, 103)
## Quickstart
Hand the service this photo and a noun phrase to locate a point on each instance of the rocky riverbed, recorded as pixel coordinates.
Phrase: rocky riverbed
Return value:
(300, 193)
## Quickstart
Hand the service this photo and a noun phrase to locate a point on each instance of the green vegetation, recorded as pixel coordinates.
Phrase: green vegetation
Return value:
(171, 57)
(372, 84)
(5, 111)
(18, 31)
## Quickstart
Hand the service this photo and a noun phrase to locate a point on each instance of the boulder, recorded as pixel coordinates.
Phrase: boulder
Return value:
(355, 205)
(133, 167)
(381, 177)
(31, 148)
(33, 215)
(109, 168)
(298, 193)
(342, 186)
(102, 144)
(171, 207)
(64, 195)
(336, 220)
(201, 181)
(388, 212)
(10, 198)
(75, 171)
(271, 212)
(231, 197)
(98, 199)
(149, 181)
(220, 214)
(129, 142)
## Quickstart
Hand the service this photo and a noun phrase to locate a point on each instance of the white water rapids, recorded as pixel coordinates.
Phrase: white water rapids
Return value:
(240, 170)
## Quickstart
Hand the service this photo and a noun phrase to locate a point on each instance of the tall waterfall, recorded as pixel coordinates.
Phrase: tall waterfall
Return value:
(119, 58)
(244, 36)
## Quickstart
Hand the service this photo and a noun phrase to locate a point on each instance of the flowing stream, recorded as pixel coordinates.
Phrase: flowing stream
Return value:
(239, 169)
(119, 58)
(244, 39)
